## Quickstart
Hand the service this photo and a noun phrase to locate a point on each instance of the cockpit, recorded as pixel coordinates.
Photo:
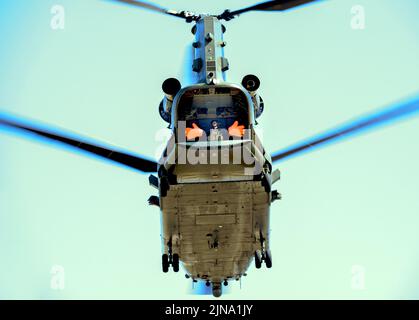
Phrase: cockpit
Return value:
(214, 113)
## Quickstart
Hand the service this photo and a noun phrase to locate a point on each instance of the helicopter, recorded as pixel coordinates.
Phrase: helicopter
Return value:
(214, 179)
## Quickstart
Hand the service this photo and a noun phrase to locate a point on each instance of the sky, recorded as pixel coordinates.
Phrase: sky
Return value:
(347, 225)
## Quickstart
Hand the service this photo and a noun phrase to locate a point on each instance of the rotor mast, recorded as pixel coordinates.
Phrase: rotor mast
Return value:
(209, 63)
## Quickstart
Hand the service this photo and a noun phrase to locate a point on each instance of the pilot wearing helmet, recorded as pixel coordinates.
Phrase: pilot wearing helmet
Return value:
(216, 134)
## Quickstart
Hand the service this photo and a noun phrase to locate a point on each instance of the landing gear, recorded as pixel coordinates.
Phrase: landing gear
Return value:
(264, 177)
(263, 254)
(217, 289)
(265, 183)
(164, 186)
(167, 178)
(170, 259)
(167, 260)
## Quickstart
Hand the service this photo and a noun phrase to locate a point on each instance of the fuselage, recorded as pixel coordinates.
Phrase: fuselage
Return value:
(214, 176)
(214, 194)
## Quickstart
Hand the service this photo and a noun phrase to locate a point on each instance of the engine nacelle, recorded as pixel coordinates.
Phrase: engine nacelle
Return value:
(170, 87)
(252, 83)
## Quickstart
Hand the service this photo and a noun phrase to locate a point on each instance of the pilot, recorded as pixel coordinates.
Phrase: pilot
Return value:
(215, 133)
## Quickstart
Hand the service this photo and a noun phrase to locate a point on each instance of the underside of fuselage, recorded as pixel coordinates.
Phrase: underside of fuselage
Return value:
(215, 227)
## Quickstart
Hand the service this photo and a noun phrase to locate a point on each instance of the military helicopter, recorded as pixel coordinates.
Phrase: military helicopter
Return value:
(214, 179)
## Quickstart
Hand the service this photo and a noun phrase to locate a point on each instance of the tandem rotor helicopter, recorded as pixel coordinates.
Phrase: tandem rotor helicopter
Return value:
(214, 179)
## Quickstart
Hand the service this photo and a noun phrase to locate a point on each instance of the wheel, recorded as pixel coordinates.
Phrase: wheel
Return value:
(266, 184)
(268, 259)
(217, 289)
(175, 262)
(164, 186)
(258, 260)
(165, 262)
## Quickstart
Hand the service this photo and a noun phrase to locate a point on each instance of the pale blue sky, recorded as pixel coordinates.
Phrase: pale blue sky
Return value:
(353, 203)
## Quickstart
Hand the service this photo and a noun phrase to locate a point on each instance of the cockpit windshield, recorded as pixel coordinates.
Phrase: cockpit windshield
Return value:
(220, 114)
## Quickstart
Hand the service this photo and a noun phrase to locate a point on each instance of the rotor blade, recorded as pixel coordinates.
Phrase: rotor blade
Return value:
(276, 5)
(149, 6)
(400, 111)
(144, 5)
(109, 153)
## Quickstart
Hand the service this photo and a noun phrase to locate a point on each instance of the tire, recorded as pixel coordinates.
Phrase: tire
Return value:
(258, 260)
(165, 263)
(268, 260)
(175, 262)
